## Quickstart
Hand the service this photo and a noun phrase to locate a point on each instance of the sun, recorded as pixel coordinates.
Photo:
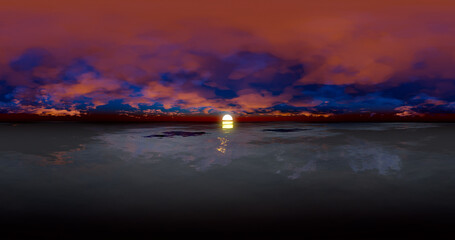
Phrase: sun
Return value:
(227, 117)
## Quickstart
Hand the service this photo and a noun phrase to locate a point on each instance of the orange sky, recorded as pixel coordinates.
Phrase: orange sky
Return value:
(365, 43)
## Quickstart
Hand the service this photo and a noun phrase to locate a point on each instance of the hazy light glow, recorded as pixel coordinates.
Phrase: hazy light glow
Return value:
(227, 122)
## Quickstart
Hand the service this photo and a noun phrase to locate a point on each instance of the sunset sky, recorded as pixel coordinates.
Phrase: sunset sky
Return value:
(244, 57)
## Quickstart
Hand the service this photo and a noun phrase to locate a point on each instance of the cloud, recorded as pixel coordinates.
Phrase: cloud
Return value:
(303, 58)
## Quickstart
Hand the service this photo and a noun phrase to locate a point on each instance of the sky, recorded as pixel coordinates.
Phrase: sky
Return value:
(283, 58)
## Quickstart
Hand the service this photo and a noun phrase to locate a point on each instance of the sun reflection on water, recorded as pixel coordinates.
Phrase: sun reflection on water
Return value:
(223, 144)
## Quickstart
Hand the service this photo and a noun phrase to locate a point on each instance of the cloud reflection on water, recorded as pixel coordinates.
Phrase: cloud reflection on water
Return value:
(377, 149)
(292, 153)
(365, 155)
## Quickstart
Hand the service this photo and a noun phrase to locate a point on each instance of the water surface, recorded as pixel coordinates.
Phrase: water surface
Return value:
(375, 179)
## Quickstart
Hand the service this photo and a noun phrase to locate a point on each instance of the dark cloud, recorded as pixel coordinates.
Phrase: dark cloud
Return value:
(74, 70)
(30, 59)
(6, 91)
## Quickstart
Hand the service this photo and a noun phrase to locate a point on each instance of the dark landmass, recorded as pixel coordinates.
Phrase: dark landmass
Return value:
(285, 129)
(175, 133)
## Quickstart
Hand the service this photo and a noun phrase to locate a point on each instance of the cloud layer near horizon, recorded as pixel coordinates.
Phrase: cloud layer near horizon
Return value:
(246, 57)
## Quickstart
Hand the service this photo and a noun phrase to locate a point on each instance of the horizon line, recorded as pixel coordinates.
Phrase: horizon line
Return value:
(111, 117)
